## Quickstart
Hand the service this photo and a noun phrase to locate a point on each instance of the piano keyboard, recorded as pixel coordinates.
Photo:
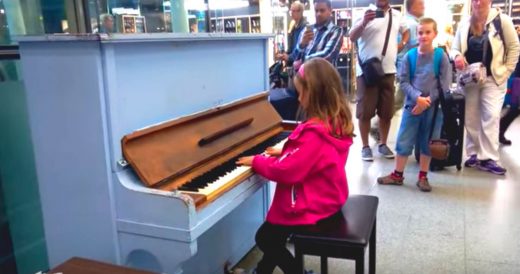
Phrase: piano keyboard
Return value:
(214, 180)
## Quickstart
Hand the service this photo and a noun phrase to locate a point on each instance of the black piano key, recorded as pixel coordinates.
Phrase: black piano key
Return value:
(186, 188)
(208, 177)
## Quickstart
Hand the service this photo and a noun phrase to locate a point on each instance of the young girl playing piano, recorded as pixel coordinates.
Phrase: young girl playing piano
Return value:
(310, 169)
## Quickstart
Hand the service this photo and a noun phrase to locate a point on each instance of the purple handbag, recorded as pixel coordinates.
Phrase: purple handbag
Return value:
(515, 92)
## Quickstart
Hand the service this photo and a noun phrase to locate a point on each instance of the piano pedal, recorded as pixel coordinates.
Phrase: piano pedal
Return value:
(228, 270)
(240, 271)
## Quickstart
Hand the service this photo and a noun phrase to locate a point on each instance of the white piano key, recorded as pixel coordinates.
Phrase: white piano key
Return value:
(223, 180)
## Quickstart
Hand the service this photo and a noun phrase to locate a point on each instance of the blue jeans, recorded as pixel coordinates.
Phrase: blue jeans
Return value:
(415, 129)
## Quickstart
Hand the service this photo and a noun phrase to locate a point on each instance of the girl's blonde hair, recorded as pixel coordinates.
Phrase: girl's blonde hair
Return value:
(325, 98)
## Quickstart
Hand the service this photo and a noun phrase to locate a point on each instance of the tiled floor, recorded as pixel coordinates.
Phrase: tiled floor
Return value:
(469, 223)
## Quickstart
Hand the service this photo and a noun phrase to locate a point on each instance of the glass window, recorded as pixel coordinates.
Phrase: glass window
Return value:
(129, 16)
(235, 16)
(22, 240)
(132, 16)
(23, 248)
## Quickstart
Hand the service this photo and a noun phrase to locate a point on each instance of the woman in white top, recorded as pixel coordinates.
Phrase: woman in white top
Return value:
(478, 39)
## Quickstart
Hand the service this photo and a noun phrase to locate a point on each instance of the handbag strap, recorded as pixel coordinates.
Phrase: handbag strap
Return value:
(437, 63)
(387, 38)
(440, 102)
(387, 33)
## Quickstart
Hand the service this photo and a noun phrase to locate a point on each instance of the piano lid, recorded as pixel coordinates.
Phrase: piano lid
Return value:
(161, 153)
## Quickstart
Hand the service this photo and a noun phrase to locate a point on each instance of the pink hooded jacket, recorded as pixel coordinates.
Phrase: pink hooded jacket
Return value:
(310, 176)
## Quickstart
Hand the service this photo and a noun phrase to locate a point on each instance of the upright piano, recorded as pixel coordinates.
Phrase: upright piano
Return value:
(136, 138)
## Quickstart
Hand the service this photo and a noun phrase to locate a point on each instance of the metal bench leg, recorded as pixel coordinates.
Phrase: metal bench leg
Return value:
(324, 265)
(372, 251)
(299, 260)
(360, 263)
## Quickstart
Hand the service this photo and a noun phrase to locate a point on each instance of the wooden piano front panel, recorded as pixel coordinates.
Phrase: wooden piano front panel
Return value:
(168, 155)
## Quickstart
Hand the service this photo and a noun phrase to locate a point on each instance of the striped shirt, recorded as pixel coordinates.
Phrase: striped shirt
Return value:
(326, 44)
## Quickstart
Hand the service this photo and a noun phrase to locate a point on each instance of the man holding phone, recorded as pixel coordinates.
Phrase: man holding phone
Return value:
(324, 39)
(370, 33)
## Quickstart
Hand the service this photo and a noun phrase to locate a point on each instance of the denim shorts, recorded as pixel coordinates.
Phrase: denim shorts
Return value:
(415, 131)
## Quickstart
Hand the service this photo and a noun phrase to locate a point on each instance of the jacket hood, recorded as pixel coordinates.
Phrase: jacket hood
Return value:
(341, 144)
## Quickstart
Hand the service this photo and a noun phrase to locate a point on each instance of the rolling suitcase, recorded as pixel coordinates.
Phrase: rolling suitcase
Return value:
(452, 130)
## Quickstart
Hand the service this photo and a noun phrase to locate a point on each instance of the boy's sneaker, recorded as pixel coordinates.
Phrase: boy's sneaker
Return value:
(491, 166)
(385, 151)
(472, 161)
(390, 179)
(424, 185)
(366, 154)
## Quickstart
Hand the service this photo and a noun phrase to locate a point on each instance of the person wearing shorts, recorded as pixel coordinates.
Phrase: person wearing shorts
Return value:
(369, 32)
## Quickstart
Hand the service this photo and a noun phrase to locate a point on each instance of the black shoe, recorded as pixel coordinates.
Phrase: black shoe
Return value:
(504, 141)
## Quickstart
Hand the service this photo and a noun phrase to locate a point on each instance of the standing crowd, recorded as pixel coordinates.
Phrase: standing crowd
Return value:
(310, 171)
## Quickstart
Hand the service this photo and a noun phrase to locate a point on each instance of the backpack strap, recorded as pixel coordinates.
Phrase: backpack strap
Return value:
(497, 23)
(437, 60)
(412, 62)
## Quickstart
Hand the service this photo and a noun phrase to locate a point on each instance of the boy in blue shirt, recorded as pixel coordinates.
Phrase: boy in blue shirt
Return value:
(418, 80)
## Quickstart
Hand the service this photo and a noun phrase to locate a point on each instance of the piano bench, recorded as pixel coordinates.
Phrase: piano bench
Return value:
(345, 237)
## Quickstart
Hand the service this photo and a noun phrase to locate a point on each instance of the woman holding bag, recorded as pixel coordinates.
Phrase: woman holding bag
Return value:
(488, 37)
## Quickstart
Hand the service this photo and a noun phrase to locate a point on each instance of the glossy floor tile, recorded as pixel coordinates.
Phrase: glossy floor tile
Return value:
(469, 223)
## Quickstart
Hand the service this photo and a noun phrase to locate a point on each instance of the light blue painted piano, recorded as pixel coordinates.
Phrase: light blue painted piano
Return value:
(97, 102)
